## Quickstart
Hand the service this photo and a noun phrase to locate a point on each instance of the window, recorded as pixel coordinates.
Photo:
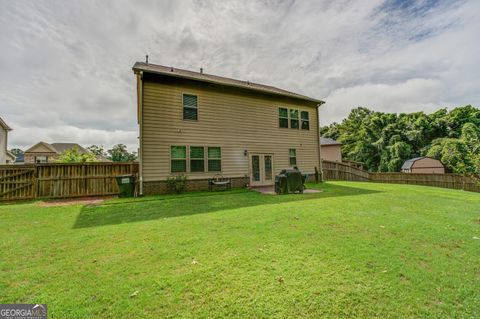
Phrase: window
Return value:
(283, 117)
(294, 119)
(305, 121)
(40, 159)
(178, 155)
(292, 154)
(190, 109)
(197, 159)
(214, 159)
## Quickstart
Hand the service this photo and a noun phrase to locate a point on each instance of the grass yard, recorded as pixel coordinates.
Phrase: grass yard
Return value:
(354, 250)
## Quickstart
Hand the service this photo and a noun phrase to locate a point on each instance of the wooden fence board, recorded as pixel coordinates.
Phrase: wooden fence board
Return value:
(60, 180)
(342, 171)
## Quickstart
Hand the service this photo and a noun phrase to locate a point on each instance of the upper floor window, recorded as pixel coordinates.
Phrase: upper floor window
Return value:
(294, 119)
(283, 117)
(190, 107)
(305, 120)
(41, 159)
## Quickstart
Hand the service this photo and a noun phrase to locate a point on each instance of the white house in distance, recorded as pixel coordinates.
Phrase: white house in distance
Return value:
(5, 156)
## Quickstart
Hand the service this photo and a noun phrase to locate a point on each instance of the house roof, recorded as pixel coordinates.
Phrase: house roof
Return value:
(4, 125)
(210, 78)
(62, 147)
(58, 147)
(11, 155)
(409, 163)
(328, 141)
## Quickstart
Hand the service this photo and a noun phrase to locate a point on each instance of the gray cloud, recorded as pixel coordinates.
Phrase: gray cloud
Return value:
(66, 66)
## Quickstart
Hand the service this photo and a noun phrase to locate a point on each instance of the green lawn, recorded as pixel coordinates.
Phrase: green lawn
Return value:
(354, 250)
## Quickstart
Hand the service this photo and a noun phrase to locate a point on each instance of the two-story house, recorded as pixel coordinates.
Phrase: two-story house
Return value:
(5, 156)
(201, 125)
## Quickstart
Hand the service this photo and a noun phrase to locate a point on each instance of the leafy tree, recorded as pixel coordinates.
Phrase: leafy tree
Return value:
(454, 154)
(383, 141)
(97, 150)
(74, 156)
(119, 153)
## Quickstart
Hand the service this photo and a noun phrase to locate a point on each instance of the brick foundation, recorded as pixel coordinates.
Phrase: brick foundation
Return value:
(160, 187)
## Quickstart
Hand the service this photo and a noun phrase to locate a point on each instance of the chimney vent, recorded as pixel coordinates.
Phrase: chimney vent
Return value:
(146, 59)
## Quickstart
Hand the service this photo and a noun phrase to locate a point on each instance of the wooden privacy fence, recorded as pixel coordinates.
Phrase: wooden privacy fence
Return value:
(455, 181)
(345, 172)
(59, 180)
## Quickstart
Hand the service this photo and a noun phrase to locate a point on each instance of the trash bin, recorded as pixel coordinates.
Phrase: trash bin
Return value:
(126, 185)
(281, 184)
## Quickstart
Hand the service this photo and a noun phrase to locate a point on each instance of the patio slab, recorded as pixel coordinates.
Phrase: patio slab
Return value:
(270, 190)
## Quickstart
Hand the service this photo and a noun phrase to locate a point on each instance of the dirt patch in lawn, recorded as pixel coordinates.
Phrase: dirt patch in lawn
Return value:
(91, 201)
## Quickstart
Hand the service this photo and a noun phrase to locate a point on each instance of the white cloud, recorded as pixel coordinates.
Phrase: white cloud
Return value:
(66, 67)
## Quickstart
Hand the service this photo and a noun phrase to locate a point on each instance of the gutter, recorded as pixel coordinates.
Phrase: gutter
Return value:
(318, 139)
(140, 126)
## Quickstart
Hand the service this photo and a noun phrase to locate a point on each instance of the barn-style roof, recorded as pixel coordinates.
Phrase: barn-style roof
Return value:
(215, 79)
(409, 163)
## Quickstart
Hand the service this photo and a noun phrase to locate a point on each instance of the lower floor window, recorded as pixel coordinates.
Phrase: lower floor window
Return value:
(214, 159)
(292, 154)
(178, 155)
(196, 157)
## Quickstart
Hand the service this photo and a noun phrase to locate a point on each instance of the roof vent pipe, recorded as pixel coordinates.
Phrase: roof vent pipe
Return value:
(201, 70)
(146, 59)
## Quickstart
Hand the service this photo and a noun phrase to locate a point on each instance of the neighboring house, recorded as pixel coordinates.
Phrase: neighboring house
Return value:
(47, 153)
(10, 158)
(201, 125)
(423, 164)
(19, 159)
(4, 154)
(331, 149)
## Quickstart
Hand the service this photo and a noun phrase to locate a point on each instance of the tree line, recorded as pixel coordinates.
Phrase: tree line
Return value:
(118, 153)
(383, 141)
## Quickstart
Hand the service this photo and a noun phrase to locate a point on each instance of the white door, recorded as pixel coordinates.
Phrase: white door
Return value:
(261, 169)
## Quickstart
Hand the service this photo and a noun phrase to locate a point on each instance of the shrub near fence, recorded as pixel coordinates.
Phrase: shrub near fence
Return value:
(346, 172)
(59, 180)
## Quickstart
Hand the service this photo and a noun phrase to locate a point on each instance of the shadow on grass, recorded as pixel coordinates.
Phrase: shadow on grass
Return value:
(156, 207)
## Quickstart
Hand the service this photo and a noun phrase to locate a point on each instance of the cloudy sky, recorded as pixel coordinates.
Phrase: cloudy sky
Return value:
(65, 66)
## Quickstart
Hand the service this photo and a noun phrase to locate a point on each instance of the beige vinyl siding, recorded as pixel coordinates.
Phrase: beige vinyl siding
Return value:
(233, 120)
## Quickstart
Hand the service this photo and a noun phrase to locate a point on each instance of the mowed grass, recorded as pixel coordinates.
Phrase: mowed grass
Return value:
(354, 250)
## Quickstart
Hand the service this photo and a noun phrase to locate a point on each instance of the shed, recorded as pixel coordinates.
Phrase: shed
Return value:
(423, 164)
(331, 150)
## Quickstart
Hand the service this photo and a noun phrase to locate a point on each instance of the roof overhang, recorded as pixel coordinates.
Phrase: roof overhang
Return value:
(140, 67)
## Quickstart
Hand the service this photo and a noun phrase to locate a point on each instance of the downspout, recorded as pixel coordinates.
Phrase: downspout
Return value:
(319, 143)
(140, 125)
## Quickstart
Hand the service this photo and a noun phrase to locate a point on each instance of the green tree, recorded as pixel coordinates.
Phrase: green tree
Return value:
(74, 156)
(120, 153)
(98, 150)
(454, 154)
(383, 141)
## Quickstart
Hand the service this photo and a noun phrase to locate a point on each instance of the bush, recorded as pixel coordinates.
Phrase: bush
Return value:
(177, 184)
